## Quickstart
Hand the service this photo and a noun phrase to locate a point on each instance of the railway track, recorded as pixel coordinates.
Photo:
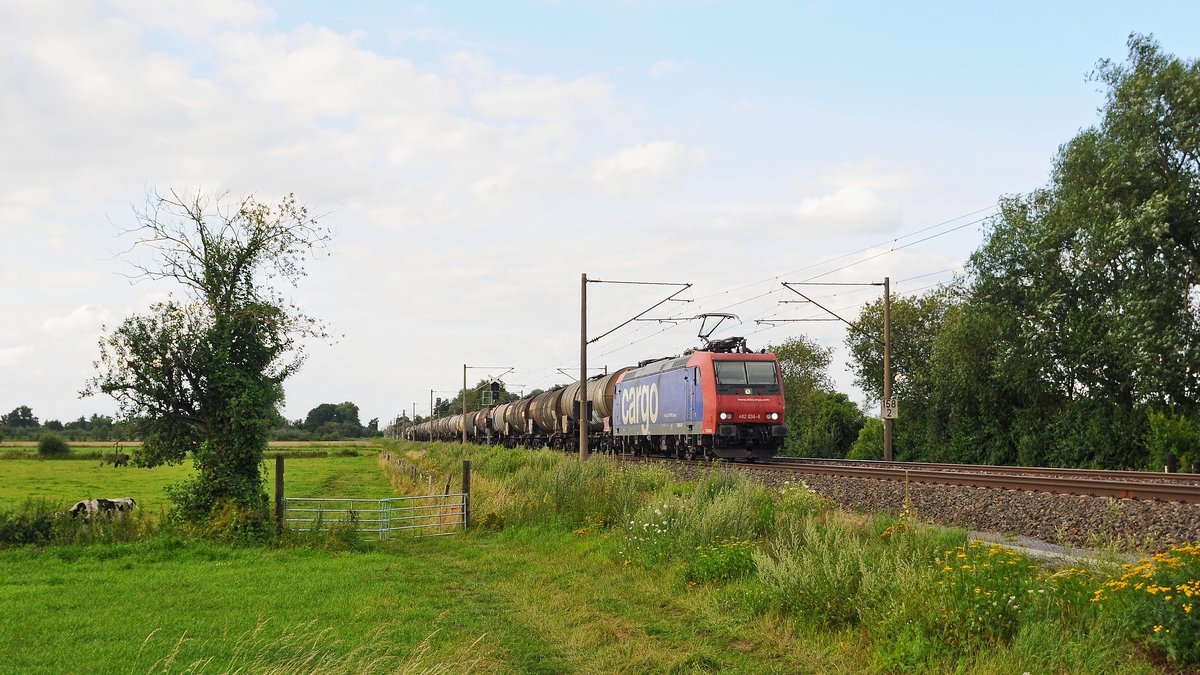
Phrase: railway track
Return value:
(1094, 474)
(1118, 484)
(1142, 485)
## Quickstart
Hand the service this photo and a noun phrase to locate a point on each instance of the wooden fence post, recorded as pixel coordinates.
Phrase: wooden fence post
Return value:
(279, 493)
(466, 488)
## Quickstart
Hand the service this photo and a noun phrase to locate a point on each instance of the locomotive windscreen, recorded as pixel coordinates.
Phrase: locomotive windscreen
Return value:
(761, 373)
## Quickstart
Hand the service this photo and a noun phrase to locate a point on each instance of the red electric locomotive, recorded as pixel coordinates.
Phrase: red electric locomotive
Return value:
(722, 401)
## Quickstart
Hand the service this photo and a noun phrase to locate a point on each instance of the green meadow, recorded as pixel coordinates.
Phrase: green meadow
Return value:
(572, 568)
(534, 601)
(65, 482)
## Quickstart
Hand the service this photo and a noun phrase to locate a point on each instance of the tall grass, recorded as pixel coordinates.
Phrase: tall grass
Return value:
(307, 648)
(41, 522)
(914, 597)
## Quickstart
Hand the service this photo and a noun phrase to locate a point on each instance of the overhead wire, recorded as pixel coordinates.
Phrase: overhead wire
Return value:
(863, 250)
(701, 303)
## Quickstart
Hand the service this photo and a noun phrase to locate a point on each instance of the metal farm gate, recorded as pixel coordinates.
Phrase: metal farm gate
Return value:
(426, 515)
(430, 515)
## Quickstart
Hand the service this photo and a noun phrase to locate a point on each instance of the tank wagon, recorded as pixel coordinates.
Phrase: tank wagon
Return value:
(719, 401)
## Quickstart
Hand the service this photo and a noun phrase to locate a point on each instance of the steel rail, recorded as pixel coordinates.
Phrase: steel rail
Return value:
(1121, 489)
(998, 468)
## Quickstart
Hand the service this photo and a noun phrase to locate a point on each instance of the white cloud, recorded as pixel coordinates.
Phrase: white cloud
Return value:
(86, 319)
(315, 71)
(14, 356)
(862, 199)
(516, 96)
(666, 67)
(868, 174)
(195, 18)
(470, 66)
(746, 107)
(646, 168)
(849, 209)
(848, 198)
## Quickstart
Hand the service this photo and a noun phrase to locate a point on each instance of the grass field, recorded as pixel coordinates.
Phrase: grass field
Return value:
(529, 600)
(534, 602)
(66, 482)
(571, 568)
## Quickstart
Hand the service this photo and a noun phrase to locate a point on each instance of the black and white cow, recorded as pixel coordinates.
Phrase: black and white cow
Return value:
(91, 507)
(120, 459)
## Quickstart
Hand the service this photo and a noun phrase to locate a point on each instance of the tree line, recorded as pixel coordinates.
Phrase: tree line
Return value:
(22, 425)
(326, 422)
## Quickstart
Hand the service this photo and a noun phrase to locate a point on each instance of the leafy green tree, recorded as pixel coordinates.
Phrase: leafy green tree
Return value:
(347, 413)
(828, 422)
(1172, 434)
(916, 325)
(973, 414)
(334, 420)
(203, 373)
(320, 416)
(1091, 281)
(475, 397)
(20, 417)
(869, 444)
(821, 422)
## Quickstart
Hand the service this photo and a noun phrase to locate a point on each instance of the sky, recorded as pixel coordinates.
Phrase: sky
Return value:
(473, 159)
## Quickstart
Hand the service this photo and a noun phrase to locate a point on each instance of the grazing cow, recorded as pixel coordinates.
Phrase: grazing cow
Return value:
(120, 459)
(90, 507)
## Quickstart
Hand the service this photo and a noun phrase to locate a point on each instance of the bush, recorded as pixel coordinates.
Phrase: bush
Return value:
(32, 524)
(869, 444)
(1171, 434)
(233, 523)
(52, 445)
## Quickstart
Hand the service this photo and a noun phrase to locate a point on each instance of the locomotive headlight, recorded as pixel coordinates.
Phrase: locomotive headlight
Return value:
(725, 416)
(772, 416)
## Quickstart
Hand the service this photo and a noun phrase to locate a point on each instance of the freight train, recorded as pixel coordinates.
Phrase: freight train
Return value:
(722, 400)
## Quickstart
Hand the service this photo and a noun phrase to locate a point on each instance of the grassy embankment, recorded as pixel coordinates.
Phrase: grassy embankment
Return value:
(572, 569)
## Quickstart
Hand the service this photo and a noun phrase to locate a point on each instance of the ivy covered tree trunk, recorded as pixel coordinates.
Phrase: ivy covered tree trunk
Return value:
(204, 374)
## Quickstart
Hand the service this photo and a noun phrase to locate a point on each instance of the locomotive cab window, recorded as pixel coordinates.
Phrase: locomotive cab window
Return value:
(730, 372)
(760, 372)
(753, 373)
